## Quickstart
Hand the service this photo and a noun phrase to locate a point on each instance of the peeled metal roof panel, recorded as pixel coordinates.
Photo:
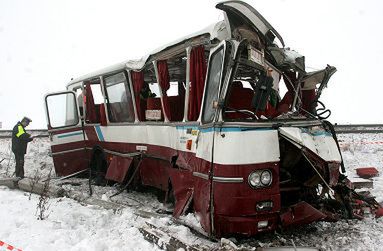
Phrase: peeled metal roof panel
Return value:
(251, 14)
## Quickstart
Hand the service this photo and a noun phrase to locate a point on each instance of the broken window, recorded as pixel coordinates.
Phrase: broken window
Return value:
(176, 99)
(253, 92)
(119, 98)
(163, 94)
(174, 73)
(147, 95)
(94, 100)
(151, 94)
(173, 90)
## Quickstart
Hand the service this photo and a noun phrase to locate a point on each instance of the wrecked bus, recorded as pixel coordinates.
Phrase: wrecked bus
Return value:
(227, 121)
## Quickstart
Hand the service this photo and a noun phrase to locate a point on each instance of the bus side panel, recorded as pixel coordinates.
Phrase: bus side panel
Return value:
(154, 173)
(68, 163)
(202, 190)
(185, 160)
(68, 151)
(129, 139)
(154, 169)
(183, 189)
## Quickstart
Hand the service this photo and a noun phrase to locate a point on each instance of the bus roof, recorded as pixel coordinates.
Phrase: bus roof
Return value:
(237, 14)
(216, 31)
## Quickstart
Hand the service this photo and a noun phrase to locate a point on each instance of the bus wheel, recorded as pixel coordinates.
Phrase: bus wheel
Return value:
(169, 200)
(99, 167)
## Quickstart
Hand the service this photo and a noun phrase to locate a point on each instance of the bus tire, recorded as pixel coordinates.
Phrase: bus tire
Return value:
(99, 168)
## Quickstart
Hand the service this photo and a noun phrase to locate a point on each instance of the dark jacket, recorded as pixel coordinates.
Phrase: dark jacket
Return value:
(20, 139)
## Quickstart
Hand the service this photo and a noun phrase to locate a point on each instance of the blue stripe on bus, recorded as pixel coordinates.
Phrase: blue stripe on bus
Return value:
(187, 127)
(234, 129)
(223, 129)
(99, 133)
(69, 134)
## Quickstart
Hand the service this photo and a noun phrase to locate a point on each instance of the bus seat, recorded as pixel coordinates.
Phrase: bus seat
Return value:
(284, 105)
(269, 112)
(154, 104)
(177, 104)
(240, 98)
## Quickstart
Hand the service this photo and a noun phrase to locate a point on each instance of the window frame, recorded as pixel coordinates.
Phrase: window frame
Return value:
(76, 109)
(222, 46)
(83, 83)
(106, 97)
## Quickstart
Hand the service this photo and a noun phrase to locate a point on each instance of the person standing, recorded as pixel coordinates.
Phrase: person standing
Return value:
(20, 141)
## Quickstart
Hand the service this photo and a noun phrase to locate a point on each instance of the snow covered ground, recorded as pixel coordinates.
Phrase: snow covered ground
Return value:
(69, 226)
(364, 150)
(72, 226)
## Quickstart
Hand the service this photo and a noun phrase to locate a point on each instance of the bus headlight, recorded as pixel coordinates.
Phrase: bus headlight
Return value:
(263, 224)
(266, 178)
(260, 178)
(255, 179)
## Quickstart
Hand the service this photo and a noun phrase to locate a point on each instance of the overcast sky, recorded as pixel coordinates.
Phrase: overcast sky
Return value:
(43, 44)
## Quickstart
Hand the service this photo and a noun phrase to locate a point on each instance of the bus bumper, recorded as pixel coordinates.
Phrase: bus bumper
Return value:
(245, 225)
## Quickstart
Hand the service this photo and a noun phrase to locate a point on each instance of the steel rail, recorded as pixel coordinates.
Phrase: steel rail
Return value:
(358, 128)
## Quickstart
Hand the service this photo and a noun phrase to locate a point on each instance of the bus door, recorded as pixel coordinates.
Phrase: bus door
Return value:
(66, 133)
(203, 197)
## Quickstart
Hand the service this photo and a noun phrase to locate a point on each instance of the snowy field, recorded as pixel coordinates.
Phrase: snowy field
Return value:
(69, 226)
(72, 226)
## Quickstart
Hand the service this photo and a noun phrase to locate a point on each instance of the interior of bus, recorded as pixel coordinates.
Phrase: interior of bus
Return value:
(161, 87)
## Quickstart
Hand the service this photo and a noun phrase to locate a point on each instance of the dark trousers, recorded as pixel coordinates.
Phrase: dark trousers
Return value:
(19, 165)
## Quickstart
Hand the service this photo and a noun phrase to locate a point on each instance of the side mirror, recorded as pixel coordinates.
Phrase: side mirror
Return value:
(262, 93)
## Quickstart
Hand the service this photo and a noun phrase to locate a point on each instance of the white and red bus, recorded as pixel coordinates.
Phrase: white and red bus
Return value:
(225, 120)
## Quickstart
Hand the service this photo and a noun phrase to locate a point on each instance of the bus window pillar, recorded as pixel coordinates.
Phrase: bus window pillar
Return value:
(186, 107)
(133, 93)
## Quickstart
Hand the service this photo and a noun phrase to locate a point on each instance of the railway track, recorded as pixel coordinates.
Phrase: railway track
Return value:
(359, 128)
(38, 133)
(339, 128)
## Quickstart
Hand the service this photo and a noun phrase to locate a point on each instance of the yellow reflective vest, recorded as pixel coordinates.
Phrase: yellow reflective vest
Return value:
(20, 139)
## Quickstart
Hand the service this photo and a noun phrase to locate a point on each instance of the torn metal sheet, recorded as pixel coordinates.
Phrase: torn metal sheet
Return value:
(312, 79)
(182, 190)
(318, 141)
(287, 58)
(118, 168)
(300, 214)
(250, 16)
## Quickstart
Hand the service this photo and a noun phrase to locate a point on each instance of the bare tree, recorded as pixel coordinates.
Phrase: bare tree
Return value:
(33, 181)
(43, 205)
(9, 159)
